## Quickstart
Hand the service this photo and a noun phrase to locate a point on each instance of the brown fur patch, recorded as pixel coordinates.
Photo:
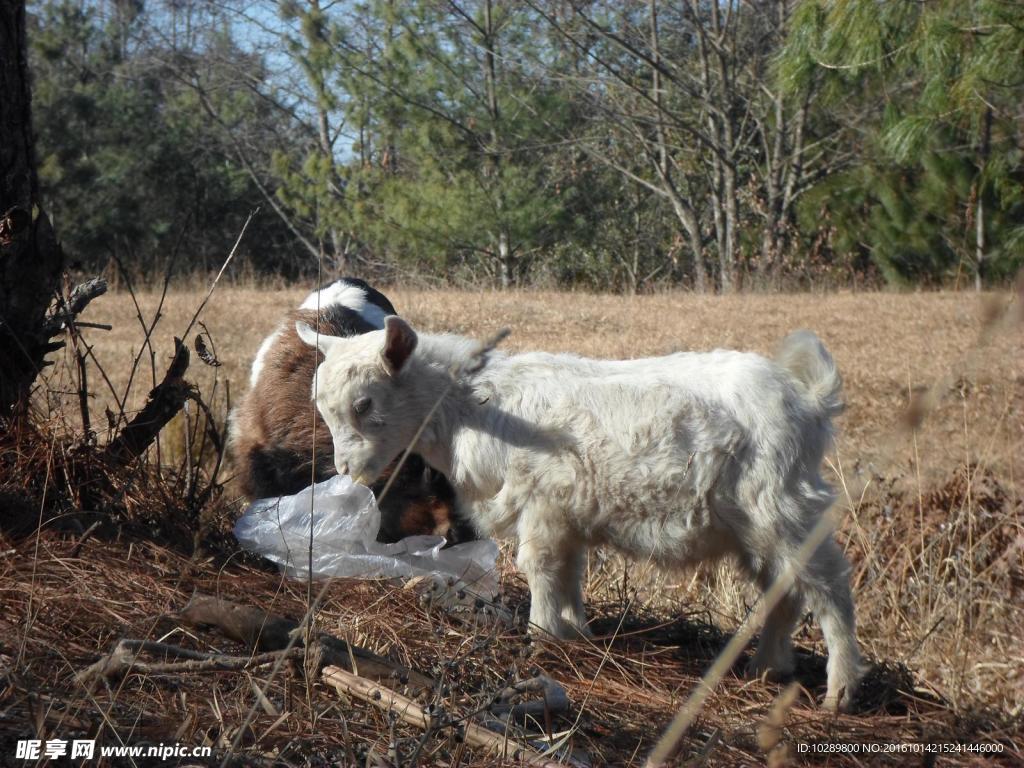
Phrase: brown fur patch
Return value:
(276, 426)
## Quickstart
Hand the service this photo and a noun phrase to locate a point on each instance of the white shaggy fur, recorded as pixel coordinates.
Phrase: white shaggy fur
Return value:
(682, 459)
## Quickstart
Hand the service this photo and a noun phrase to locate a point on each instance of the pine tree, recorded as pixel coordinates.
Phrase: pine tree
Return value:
(942, 185)
(446, 169)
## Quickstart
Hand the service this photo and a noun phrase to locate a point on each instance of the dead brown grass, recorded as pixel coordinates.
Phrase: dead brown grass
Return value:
(932, 522)
(887, 346)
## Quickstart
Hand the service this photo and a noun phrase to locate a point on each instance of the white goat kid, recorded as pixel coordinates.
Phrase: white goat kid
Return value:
(681, 459)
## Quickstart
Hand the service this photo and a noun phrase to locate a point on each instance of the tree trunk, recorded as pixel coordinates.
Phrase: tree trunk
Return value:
(726, 136)
(506, 258)
(692, 227)
(30, 259)
(980, 244)
(729, 257)
(979, 216)
(339, 258)
(684, 211)
(717, 93)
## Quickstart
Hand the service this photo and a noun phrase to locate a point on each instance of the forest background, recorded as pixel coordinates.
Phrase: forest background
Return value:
(624, 146)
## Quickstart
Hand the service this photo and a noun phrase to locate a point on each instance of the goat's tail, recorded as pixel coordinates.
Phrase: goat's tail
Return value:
(805, 357)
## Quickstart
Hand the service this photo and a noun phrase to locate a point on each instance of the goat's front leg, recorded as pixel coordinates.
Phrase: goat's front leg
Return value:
(551, 563)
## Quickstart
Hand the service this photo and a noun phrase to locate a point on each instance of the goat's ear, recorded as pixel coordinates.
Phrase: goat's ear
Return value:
(322, 341)
(399, 342)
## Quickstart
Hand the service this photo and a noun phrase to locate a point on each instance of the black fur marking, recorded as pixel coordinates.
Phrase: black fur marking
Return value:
(373, 296)
(339, 320)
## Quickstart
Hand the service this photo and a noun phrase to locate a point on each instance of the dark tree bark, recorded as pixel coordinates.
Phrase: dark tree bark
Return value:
(30, 258)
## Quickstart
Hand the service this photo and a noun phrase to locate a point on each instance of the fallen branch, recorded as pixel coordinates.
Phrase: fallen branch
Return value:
(412, 713)
(124, 658)
(264, 631)
(347, 668)
(166, 399)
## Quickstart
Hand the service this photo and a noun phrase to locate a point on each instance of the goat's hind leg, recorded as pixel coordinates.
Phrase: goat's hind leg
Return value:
(825, 583)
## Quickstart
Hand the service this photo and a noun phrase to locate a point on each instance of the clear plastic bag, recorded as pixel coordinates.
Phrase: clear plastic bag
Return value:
(345, 524)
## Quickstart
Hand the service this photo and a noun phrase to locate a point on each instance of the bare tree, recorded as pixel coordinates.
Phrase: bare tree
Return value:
(690, 88)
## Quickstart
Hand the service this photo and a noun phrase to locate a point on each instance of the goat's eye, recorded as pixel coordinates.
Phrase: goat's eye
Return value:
(361, 406)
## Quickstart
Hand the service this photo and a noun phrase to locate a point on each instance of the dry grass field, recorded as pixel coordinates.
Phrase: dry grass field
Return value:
(928, 465)
(886, 345)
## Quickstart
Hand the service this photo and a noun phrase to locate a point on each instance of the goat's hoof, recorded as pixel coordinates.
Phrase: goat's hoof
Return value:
(563, 630)
(841, 703)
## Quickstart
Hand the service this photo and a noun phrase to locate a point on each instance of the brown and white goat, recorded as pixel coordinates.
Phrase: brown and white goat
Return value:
(275, 428)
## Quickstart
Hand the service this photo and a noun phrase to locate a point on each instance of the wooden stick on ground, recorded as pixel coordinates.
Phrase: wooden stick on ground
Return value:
(412, 713)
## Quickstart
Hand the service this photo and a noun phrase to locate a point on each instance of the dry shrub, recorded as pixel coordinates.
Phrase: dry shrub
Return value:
(50, 480)
(940, 576)
(966, 528)
(974, 527)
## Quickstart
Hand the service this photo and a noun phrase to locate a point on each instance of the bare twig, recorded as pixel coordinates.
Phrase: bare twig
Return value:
(223, 267)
